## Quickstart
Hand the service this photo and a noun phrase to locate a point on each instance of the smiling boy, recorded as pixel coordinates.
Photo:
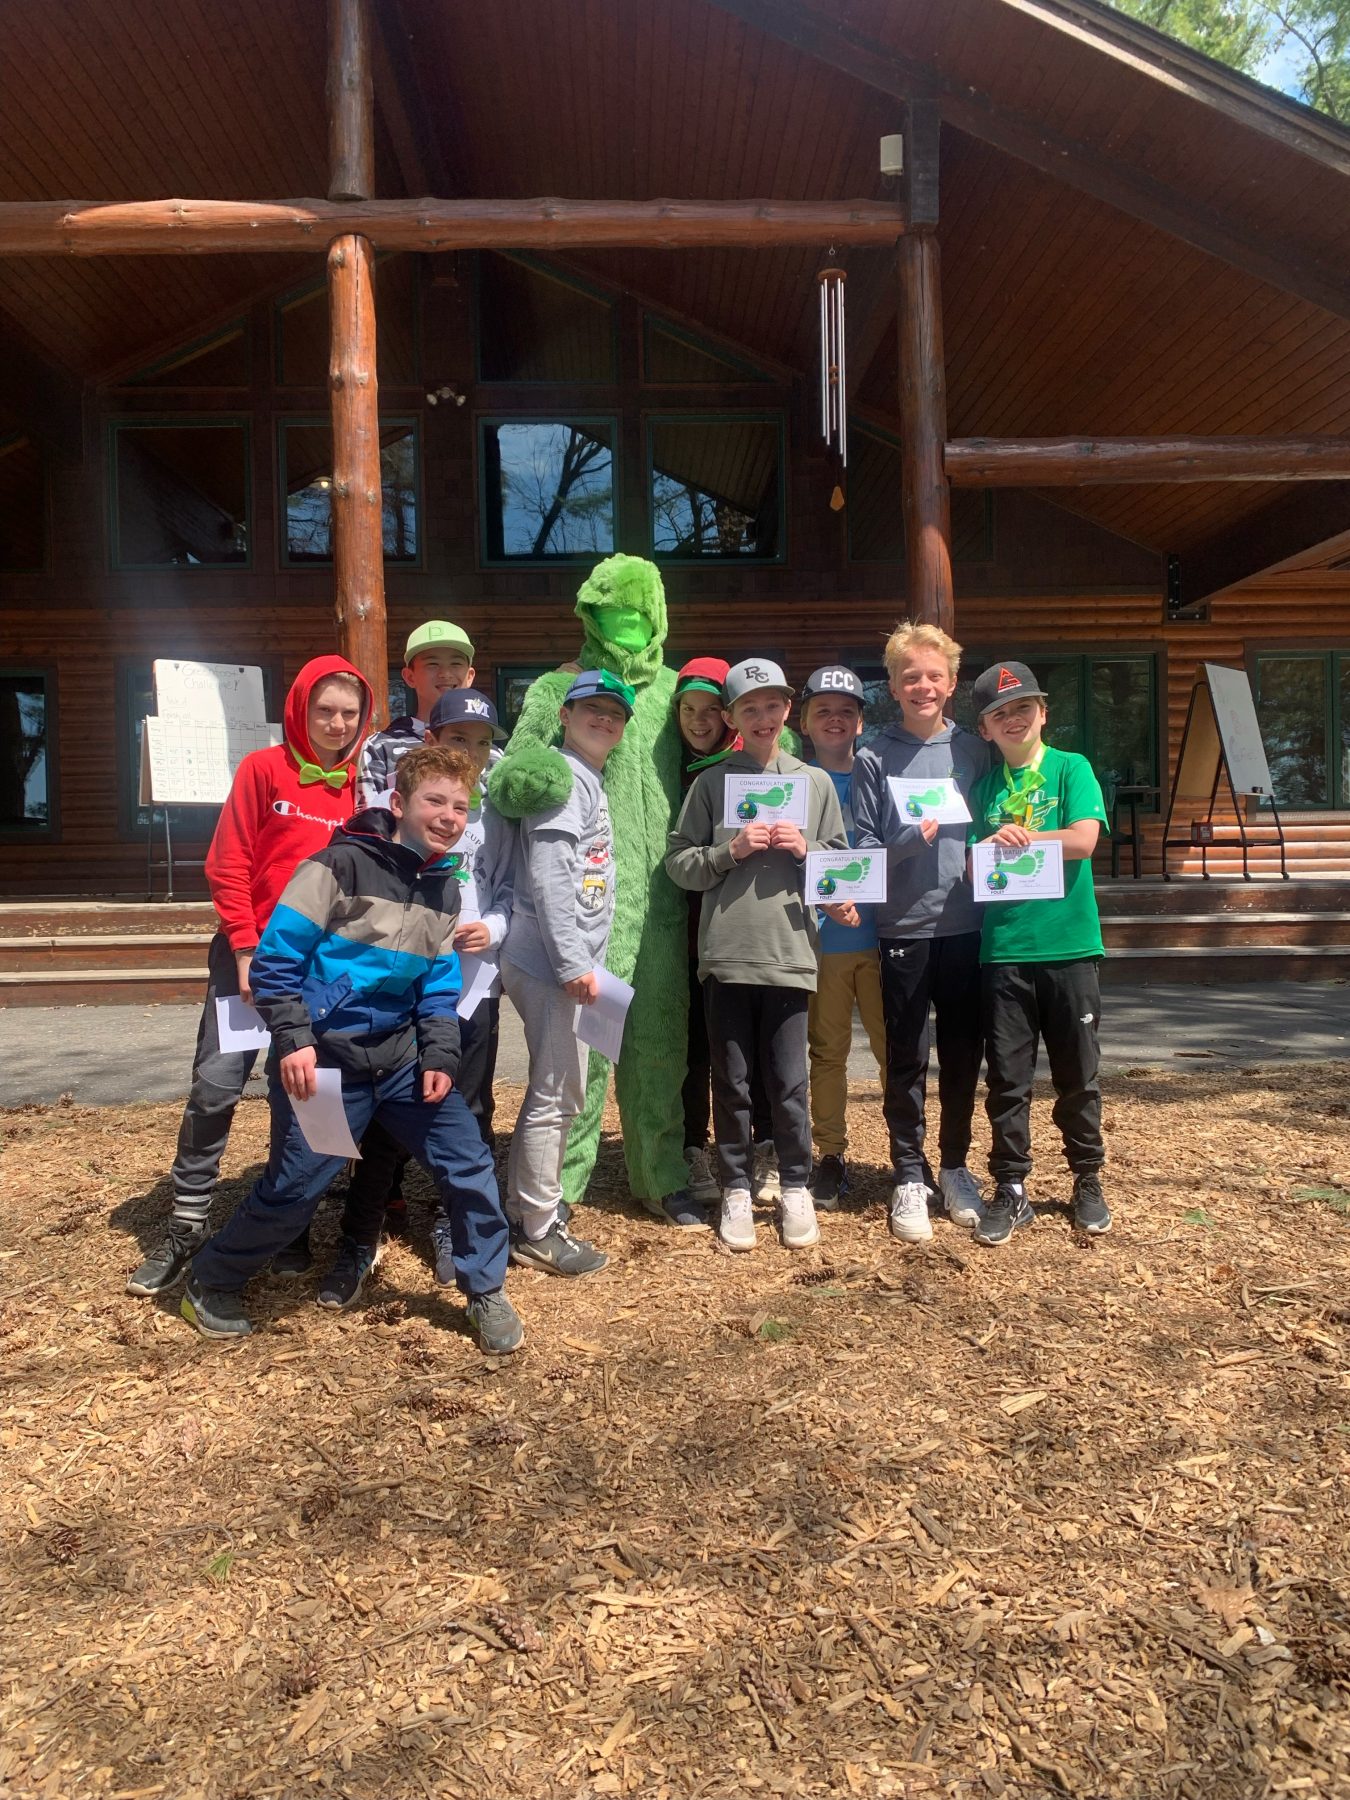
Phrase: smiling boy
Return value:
(1039, 958)
(437, 659)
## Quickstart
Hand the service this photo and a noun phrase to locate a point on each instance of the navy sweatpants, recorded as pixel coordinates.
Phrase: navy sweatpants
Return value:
(444, 1138)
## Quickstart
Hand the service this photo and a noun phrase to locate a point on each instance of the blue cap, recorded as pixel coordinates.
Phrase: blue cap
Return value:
(465, 705)
(599, 684)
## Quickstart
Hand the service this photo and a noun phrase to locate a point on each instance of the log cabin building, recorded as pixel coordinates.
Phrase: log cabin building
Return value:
(1098, 377)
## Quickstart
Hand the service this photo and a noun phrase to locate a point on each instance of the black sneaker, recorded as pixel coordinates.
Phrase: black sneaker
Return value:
(829, 1183)
(341, 1286)
(1006, 1212)
(496, 1322)
(445, 1256)
(678, 1209)
(1090, 1211)
(296, 1258)
(216, 1312)
(163, 1266)
(558, 1252)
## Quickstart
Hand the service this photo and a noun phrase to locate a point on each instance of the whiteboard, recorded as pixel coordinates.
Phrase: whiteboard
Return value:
(191, 762)
(229, 694)
(1239, 732)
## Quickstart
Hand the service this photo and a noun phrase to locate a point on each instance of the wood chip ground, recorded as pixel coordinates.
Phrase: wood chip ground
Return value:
(1067, 1518)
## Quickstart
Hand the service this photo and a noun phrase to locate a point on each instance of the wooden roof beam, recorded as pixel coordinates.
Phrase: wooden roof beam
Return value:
(1291, 526)
(226, 227)
(1283, 265)
(1082, 462)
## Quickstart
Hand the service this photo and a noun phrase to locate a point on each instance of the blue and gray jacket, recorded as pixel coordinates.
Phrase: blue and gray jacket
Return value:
(358, 959)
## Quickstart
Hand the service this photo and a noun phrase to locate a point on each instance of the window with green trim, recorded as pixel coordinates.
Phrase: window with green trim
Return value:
(27, 753)
(1303, 708)
(717, 486)
(305, 463)
(547, 487)
(302, 335)
(218, 361)
(537, 325)
(180, 493)
(513, 684)
(23, 506)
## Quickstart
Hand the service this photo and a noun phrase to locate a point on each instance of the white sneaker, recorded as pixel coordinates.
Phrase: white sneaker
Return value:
(701, 1184)
(736, 1227)
(797, 1216)
(961, 1196)
(909, 1213)
(764, 1182)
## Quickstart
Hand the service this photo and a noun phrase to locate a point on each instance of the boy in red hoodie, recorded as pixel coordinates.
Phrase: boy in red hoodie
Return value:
(284, 804)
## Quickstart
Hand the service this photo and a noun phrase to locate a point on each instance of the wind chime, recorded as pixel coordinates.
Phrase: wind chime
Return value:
(833, 376)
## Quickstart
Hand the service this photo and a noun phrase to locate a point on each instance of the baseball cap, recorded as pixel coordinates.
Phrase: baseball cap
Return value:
(599, 684)
(704, 674)
(834, 678)
(437, 634)
(755, 672)
(462, 704)
(1003, 683)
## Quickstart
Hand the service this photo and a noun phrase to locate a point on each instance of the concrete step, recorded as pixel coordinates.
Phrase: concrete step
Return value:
(80, 918)
(99, 951)
(1228, 964)
(1240, 928)
(102, 987)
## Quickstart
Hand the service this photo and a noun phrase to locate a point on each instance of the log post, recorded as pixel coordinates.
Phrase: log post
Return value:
(925, 498)
(354, 394)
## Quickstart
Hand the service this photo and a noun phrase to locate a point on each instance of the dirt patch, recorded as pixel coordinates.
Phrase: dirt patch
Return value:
(1063, 1518)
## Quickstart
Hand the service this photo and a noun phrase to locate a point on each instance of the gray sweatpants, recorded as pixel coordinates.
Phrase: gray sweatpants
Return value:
(553, 1097)
(218, 1078)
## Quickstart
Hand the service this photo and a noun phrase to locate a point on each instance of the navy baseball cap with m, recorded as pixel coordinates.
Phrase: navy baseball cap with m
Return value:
(465, 705)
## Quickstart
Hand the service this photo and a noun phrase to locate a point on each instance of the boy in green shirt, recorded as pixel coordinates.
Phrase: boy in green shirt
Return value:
(1038, 958)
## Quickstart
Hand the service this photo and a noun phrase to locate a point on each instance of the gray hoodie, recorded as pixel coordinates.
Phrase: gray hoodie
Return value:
(928, 894)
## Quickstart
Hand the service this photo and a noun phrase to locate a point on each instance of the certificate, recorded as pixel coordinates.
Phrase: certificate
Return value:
(478, 973)
(1005, 872)
(601, 1023)
(239, 1026)
(834, 877)
(939, 799)
(323, 1118)
(765, 799)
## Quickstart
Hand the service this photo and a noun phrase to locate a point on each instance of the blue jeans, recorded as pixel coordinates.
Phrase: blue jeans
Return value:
(445, 1139)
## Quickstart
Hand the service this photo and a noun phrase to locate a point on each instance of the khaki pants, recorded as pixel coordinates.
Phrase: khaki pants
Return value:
(842, 978)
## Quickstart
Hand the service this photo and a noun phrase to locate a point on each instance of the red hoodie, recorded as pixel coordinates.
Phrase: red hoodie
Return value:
(275, 817)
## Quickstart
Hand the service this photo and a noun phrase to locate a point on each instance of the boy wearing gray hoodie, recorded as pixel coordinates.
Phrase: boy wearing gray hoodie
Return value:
(928, 927)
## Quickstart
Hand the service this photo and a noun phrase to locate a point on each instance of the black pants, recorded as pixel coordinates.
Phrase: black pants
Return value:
(944, 974)
(1060, 1002)
(696, 1095)
(759, 1029)
(380, 1170)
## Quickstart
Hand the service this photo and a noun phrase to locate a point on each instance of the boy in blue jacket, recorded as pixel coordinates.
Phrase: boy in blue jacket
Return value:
(357, 970)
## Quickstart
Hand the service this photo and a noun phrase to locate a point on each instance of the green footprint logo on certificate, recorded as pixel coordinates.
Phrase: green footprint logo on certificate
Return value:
(917, 804)
(1029, 863)
(828, 882)
(750, 804)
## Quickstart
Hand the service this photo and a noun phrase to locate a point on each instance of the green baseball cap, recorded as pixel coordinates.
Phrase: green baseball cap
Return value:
(437, 634)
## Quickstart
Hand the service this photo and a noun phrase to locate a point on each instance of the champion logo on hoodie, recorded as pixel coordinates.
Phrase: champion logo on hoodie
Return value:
(289, 810)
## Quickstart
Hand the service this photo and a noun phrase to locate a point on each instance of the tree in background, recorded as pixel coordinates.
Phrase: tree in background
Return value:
(1249, 34)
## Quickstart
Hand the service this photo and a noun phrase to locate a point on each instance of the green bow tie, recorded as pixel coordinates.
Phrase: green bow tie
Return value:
(311, 773)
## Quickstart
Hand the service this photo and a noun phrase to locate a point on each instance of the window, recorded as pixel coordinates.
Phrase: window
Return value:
(717, 486)
(306, 466)
(876, 526)
(23, 507)
(27, 753)
(512, 686)
(675, 358)
(180, 494)
(402, 700)
(535, 325)
(136, 698)
(222, 360)
(302, 336)
(548, 487)
(1303, 708)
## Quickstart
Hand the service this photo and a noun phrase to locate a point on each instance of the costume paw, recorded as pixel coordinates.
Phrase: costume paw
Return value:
(530, 780)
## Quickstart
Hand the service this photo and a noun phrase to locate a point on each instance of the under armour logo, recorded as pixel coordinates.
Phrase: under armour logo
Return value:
(1006, 680)
(1086, 1019)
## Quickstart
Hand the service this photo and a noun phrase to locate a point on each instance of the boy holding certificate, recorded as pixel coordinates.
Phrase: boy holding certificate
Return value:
(1038, 957)
(910, 789)
(742, 840)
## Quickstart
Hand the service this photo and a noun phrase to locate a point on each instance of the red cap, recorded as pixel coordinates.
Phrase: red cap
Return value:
(703, 672)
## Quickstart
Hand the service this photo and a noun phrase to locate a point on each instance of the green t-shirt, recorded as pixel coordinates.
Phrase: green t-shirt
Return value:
(1062, 790)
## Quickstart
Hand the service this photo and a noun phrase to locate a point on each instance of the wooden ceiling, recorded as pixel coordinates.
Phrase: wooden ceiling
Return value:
(1066, 310)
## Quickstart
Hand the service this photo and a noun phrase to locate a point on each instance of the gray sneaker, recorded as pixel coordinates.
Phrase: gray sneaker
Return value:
(1090, 1211)
(162, 1268)
(961, 1196)
(702, 1184)
(216, 1312)
(496, 1322)
(558, 1252)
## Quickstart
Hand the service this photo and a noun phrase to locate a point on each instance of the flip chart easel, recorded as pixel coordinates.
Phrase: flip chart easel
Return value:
(1221, 742)
(208, 717)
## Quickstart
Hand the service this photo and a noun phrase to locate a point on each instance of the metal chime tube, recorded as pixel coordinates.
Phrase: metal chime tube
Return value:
(833, 371)
(824, 361)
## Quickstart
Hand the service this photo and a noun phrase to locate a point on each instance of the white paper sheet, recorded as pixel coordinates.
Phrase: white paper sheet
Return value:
(1000, 872)
(478, 975)
(239, 1025)
(764, 799)
(323, 1120)
(601, 1023)
(939, 799)
(834, 877)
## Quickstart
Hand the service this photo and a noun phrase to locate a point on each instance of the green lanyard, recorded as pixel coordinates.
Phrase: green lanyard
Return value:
(1017, 807)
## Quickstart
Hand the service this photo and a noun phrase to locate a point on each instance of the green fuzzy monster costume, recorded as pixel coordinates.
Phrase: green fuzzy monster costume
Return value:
(622, 607)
